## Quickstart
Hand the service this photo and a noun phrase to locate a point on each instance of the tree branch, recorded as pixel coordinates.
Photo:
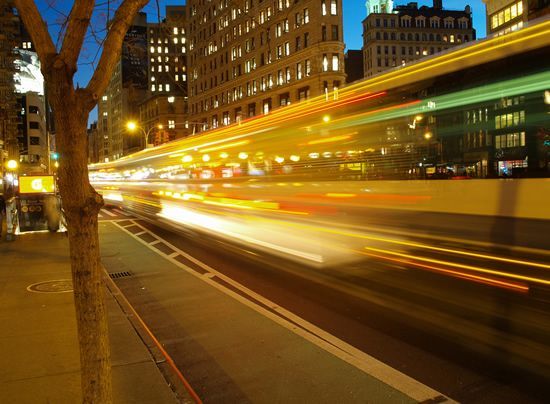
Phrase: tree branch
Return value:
(111, 48)
(79, 21)
(38, 30)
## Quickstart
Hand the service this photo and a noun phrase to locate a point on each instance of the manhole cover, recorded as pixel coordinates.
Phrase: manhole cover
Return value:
(59, 286)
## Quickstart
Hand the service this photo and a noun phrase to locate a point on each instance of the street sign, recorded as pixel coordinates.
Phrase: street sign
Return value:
(36, 184)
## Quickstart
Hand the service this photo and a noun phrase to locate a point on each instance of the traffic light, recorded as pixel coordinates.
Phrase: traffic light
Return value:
(55, 156)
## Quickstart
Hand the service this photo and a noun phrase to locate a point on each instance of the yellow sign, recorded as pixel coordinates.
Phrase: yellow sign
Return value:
(36, 184)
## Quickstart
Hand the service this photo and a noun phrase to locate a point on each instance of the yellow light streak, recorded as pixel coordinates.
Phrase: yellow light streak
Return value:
(463, 275)
(330, 139)
(462, 266)
(336, 195)
(424, 246)
(224, 146)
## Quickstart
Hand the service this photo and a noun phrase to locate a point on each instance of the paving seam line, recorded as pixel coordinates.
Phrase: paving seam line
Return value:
(326, 341)
(117, 293)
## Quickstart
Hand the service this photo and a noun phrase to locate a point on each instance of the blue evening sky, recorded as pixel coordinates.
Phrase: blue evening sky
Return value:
(354, 14)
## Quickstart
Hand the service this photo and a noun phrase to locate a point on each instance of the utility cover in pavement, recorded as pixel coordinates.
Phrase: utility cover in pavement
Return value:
(58, 286)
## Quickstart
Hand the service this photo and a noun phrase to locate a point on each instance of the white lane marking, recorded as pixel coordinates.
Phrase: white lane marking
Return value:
(355, 357)
(174, 254)
(107, 212)
(121, 212)
(154, 242)
(99, 216)
(140, 233)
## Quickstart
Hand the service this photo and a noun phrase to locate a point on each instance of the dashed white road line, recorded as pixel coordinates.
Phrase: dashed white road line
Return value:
(330, 343)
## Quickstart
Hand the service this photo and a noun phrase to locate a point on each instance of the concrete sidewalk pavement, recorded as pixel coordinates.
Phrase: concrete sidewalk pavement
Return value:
(235, 347)
(38, 340)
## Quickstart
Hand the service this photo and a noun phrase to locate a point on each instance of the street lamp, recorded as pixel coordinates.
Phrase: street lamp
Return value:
(132, 126)
(11, 165)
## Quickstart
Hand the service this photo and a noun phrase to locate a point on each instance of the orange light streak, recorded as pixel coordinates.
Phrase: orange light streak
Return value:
(462, 266)
(518, 287)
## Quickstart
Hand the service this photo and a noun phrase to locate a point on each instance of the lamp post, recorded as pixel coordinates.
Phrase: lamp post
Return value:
(132, 126)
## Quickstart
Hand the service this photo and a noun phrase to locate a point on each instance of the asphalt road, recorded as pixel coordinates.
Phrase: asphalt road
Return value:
(471, 341)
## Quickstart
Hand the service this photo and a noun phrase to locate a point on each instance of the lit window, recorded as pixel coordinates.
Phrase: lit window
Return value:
(335, 63)
(175, 30)
(152, 49)
(333, 7)
(325, 63)
(104, 98)
(171, 124)
(171, 99)
(323, 7)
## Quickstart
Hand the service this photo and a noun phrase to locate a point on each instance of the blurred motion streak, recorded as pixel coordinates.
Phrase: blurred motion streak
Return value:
(442, 165)
(517, 287)
(463, 266)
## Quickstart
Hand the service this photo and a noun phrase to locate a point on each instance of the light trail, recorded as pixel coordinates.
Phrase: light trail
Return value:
(518, 287)
(463, 266)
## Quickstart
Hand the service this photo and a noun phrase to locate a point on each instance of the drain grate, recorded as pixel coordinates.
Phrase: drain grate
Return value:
(117, 275)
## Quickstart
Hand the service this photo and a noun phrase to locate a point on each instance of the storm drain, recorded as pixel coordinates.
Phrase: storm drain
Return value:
(117, 275)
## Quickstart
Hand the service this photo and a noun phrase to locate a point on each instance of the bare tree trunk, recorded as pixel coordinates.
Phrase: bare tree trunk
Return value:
(81, 206)
(80, 201)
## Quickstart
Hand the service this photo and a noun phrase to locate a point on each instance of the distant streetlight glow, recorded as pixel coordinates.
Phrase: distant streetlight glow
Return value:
(11, 164)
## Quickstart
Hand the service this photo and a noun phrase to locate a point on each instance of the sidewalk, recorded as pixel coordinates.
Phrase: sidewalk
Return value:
(232, 347)
(38, 342)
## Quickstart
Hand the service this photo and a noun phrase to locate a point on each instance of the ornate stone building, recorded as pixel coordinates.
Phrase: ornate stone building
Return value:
(402, 34)
(248, 57)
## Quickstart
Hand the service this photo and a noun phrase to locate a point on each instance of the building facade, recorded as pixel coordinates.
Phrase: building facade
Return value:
(9, 34)
(248, 57)
(126, 90)
(409, 33)
(166, 104)
(505, 16)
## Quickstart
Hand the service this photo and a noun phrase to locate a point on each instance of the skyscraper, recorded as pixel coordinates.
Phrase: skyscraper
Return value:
(126, 90)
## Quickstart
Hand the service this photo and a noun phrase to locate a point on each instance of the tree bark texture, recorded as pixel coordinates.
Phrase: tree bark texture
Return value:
(81, 202)
(81, 205)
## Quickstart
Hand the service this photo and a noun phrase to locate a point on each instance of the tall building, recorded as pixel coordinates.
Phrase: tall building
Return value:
(93, 143)
(408, 33)
(9, 34)
(505, 16)
(33, 137)
(248, 57)
(126, 90)
(166, 103)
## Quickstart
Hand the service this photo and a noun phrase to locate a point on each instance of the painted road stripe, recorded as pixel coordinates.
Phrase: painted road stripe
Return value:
(107, 212)
(355, 357)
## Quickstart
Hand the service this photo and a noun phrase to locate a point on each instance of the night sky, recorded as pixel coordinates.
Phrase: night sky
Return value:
(354, 13)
